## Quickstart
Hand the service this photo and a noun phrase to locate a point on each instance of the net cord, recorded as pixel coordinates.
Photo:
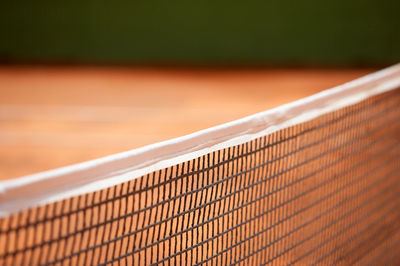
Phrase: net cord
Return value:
(54, 185)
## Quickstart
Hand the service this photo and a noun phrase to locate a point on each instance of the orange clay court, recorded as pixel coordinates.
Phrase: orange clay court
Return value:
(324, 191)
(56, 116)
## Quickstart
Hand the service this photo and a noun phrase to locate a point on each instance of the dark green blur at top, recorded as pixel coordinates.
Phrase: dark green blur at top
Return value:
(202, 32)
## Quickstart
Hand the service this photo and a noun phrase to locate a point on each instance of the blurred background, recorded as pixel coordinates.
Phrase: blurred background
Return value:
(85, 79)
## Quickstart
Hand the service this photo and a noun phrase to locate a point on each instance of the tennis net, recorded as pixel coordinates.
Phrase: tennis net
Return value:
(323, 191)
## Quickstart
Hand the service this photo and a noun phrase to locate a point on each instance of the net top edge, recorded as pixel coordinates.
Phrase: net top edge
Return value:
(54, 185)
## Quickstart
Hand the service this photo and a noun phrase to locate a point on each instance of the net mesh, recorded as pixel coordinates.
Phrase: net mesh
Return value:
(322, 192)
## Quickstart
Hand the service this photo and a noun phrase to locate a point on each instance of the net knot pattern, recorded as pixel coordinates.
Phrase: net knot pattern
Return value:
(322, 192)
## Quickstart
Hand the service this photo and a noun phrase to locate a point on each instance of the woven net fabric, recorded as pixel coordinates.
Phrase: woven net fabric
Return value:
(322, 192)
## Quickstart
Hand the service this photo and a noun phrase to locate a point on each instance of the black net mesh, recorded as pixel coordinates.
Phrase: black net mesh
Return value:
(322, 192)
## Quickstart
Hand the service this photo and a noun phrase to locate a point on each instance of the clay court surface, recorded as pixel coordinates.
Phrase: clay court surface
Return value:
(56, 116)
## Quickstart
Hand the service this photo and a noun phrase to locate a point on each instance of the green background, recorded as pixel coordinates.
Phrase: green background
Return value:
(202, 32)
